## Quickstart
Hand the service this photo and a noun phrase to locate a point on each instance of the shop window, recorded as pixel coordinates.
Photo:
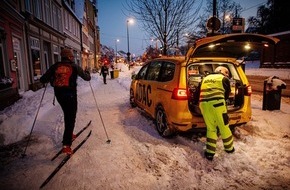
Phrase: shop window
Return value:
(36, 64)
(5, 81)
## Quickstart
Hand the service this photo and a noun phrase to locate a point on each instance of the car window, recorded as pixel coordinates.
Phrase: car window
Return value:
(154, 70)
(167, 72)
(142, 73)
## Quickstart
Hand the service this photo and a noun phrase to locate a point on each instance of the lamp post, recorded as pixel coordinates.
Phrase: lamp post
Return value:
(117, 40)
(128, 53)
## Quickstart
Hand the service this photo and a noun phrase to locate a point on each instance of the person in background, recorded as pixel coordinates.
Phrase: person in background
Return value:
(63, 77)
(104, 72)
(214, 92)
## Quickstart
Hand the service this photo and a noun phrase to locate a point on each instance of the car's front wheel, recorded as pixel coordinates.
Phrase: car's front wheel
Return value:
(161, 123)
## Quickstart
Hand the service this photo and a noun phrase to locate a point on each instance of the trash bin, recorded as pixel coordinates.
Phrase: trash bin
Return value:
(116, 73)
(272, 93)
(112, 74)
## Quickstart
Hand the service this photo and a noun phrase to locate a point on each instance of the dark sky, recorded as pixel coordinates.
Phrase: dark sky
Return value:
(112, 22)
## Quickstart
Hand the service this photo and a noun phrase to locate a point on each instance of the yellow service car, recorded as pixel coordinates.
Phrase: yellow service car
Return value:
(167, 88)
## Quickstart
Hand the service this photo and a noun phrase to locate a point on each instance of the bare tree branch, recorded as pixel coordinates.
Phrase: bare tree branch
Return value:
(164, 19)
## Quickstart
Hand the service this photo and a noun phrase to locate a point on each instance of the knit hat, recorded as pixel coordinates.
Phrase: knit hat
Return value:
(66, 53)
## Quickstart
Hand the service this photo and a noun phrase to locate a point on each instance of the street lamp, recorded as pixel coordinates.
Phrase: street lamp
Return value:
(225, 21)
(117, 40)
(128, 53)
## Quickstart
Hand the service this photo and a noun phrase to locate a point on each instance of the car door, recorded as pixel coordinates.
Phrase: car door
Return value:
(138, 84)
(149, 87)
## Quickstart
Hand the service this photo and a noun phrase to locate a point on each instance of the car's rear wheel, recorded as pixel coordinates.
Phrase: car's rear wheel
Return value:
(161, 123)
(132, 99)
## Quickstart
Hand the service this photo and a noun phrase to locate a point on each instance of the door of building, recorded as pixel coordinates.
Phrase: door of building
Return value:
(19, 64)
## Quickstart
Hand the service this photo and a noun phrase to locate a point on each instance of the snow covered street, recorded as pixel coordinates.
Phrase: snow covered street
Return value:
(137, 157)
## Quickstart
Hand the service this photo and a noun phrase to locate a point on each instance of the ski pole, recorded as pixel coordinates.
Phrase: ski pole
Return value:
(23, 154)
(108, 140)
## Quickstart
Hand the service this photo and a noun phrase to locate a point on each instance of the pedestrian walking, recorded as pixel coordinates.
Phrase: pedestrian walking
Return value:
(214, 91)
(104, 72)
(63, 77)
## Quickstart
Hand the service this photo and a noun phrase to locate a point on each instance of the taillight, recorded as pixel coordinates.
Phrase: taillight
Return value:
(179, 94)
(248, 90)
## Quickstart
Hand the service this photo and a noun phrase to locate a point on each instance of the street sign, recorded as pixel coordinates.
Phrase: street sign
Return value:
(238, 25)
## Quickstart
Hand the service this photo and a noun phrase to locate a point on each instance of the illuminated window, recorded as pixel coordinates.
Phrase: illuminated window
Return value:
(35, 55)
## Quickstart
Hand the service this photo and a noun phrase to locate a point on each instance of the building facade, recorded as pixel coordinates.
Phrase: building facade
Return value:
(87, 12)
(72, 29)
(13, 70)
(44, 35)
(32, 34)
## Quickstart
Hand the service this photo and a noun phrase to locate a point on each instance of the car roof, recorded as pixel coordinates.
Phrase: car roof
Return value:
(175, 59)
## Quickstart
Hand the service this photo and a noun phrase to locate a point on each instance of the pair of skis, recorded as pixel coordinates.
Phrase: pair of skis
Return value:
(67, 157)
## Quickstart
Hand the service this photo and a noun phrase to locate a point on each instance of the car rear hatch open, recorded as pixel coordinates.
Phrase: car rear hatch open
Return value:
(235, 46)
(231, 48)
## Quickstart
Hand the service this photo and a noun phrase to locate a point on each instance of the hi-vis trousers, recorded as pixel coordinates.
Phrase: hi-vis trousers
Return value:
(215, 115)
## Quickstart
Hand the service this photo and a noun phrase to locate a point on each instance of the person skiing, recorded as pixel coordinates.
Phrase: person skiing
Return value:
(214, 91)
(63, 77)
(104, 72)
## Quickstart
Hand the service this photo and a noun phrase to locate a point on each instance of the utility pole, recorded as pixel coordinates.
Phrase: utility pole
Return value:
(213, 15)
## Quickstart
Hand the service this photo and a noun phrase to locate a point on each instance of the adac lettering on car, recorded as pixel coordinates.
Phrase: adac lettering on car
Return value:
(143, 93)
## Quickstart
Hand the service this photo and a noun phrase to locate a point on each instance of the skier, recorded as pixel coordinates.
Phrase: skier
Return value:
(214, 92)
(63, 76)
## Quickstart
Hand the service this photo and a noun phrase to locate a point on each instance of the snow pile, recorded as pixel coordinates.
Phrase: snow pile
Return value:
(137, 157)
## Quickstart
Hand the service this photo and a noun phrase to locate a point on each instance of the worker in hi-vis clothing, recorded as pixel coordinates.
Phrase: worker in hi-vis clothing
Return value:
(214, 91)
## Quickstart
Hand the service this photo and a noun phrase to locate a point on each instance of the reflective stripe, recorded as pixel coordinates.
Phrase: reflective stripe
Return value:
(218, 105)
(211, 145)
(210, 99)
(228, 143)
(211, 140)
(210, 148)
(228, 139)
(212, 88)
(207, 90)
(229, 146)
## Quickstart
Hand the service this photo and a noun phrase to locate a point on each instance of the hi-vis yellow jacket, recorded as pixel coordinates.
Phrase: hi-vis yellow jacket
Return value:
(214, 86)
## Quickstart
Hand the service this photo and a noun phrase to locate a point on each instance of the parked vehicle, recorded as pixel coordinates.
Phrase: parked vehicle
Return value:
(167, 88)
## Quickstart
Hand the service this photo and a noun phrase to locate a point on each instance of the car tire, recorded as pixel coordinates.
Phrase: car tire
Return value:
(132, 100)
(161, 123)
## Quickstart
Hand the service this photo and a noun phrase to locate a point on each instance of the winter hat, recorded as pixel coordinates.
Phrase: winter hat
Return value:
(66, 53)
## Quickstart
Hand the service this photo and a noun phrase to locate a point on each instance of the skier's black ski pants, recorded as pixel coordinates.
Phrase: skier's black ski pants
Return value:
(68, 103)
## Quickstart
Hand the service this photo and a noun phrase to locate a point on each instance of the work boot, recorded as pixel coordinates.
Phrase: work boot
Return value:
(67, 150)
(230, 151)
(208, 155)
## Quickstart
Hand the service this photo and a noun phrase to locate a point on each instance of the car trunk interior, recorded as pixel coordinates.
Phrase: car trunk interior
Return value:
(235, 101)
